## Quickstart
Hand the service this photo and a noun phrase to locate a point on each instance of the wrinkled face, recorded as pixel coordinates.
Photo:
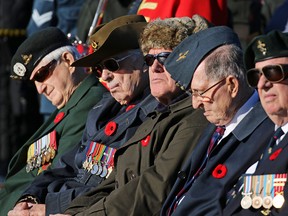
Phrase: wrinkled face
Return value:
(162, 86)
(124, 83)
(273, 96)
(212, 96)
(58, 86)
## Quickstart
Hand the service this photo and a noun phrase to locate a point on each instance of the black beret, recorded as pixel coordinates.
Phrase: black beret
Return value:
(186, 57)
(117, 36)
(263, 47)
(35, 48)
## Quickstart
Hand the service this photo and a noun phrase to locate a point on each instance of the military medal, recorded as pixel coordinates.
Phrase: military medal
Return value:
(95, 169)
(267, 199)
(104, 172)
(257, 182)
(279, 182)
(246, 201)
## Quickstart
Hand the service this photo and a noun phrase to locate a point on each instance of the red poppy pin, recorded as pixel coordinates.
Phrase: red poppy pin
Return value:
(130, 107)
(59, 117)
(275, 154)
(145, 141)
(110, 128)
(219, 171)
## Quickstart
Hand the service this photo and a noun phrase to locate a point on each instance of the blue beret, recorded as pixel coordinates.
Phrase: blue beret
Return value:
(263, 47)
(186, 57)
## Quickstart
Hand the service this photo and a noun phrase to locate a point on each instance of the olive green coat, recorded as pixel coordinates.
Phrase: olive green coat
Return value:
(147, 165)
(69, 132)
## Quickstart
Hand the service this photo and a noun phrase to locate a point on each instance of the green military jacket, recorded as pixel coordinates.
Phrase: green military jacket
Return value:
(67, 123)
(146, 166)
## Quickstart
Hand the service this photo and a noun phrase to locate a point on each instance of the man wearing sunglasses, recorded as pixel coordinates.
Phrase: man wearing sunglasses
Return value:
(109, 125)
(266, 59)
(213, 69)
(147, 165)
(45, 58)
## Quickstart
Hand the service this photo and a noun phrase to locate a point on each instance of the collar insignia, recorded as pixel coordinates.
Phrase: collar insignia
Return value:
(262, 47)
(26, 58)
(94, 45)
(182, 55)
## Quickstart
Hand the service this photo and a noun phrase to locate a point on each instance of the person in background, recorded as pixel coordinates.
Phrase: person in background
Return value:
(266, 59)
(210, 63)
(45, 59)
(109, 125)
(214, 11)
(146, 166)
(19, 108)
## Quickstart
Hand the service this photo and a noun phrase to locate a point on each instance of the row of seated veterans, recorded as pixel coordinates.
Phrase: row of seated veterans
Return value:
(186, 130)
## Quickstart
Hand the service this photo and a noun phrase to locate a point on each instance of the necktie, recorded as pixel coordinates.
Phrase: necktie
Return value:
(278, 133)
(217, 135)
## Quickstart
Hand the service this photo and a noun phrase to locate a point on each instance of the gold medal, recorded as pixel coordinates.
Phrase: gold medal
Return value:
(267, 202)
(257, 202)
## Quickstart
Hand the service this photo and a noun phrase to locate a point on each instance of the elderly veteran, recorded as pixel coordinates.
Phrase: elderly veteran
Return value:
(266, 59)
(211, 65)
(110, 123)
(45, 58)
(147, 165)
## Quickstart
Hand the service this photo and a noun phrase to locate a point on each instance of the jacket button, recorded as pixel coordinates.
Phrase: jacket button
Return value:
(182, 175)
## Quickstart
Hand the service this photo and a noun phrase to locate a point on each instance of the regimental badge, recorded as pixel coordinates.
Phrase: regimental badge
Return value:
(19, 69)
(94, 45)
(99, 159)
(182, 56)
(262, 47)
(26, 58)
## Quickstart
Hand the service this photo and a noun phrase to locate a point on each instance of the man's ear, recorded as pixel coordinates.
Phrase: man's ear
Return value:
(233, 85)
(68, 57)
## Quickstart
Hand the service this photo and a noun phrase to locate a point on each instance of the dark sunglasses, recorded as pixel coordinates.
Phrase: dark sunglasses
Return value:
(161, 58)
(45, 72)
(111, 64)
(273, 73)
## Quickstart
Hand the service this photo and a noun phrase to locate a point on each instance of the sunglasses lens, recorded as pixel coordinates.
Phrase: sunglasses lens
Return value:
(111, 65)
(45, 72)
(253, 76)
(162, 57)
(273, 73)
(149, 59)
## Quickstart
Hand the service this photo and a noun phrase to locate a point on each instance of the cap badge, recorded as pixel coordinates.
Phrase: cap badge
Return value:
(19, 69)
(262, 47)
(94, 45)
(26, 58)
(182, 55)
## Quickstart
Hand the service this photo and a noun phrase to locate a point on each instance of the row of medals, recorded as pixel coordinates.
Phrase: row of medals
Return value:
(256, 200)
(37, 160)
(97, 168)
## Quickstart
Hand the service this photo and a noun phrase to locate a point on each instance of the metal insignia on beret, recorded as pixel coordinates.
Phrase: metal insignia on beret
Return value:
(19, 69)
(262, 47)
(94, 45)
(182, 55)
(26, 58)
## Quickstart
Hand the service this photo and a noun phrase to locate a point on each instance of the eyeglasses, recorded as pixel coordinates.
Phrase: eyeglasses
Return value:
(111, 64)
(200, 95)
(161, 58)
(45, 72)
(273, 73)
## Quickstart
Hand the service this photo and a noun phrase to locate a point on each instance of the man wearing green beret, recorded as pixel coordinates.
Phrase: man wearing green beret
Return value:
(266, 59)
(45, 58)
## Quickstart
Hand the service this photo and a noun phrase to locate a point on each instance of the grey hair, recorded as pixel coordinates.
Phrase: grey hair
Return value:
(56, 54)
(224, 61)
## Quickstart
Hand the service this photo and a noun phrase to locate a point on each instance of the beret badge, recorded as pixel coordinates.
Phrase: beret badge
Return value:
(182, 55)
(262, 47)
(19, 69)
